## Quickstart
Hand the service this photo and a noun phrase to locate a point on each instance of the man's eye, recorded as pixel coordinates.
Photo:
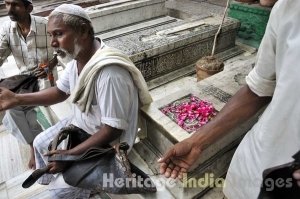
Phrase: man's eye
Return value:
(58, 34)
(55, 34)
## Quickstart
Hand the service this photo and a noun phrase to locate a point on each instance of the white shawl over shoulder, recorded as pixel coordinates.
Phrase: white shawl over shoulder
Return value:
(84, 90)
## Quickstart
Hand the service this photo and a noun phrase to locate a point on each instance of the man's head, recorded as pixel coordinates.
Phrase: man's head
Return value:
(70, 28)
(18, 10)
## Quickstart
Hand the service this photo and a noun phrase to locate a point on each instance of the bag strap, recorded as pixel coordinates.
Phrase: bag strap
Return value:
(92, 153)
(58, 139)
(62, 135)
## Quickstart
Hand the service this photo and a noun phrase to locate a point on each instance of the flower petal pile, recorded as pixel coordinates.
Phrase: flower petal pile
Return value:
(190, 113)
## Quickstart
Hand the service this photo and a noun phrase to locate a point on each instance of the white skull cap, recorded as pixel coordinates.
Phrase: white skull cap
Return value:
(72, 9)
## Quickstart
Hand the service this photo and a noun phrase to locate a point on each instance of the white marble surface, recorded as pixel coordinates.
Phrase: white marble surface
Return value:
(14, 156)
(124, 12)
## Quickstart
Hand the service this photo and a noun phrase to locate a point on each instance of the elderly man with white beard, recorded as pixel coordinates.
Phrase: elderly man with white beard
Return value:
(117, 89)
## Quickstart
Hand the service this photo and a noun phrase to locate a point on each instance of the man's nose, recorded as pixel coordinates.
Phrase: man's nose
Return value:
(54, 42)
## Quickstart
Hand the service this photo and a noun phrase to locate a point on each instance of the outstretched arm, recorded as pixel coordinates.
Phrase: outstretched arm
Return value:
(45, 97)
(180, 158)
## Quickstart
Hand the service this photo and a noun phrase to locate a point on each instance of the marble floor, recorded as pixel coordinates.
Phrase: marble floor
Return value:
(14, 156)
(13, 171)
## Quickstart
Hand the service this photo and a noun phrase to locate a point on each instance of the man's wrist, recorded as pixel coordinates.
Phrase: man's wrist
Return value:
(203, 138)
(17, 99)
(198, 141)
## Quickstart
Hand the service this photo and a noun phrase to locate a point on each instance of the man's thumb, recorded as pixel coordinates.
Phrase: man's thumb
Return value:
(166, 156)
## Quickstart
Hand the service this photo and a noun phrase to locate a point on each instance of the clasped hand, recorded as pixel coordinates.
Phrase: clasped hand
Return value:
(42, 71)
(56, 166)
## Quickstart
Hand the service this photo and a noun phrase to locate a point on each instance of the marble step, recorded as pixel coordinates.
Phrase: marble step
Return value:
(12, 189)
(136, 27)
(116, 14)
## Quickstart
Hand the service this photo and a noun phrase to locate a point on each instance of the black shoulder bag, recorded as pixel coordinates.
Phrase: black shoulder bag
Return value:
(278, 182)
(20, 83)
(101, 169)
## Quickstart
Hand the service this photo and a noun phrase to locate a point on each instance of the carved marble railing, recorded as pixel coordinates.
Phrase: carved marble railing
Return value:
(171, 44)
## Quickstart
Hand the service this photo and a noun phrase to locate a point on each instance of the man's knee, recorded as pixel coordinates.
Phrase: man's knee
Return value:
(38, 141)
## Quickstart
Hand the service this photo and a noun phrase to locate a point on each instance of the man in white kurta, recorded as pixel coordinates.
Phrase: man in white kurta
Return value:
(274, 82)
(115, 103)
(276, 136)
(105, 88)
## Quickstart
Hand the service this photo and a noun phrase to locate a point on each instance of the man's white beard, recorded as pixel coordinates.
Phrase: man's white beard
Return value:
(66, 55)
(63, 54)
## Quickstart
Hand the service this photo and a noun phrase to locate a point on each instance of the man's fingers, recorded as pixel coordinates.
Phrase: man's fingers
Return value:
(166, 156)
(162, 168)
(51, 166)
(36, 69)
(180, 175)
(40, 74)
(183, 170)
(165, 160)
(296, 175)
(175, 172)
(168, 172)
(51, 153)
(181, 163)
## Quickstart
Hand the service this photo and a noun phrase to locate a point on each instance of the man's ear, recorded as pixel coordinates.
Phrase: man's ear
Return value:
(29, 8)
(85, 30)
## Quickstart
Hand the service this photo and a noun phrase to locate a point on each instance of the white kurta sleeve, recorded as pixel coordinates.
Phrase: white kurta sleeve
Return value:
(262, 79)
(115, 97)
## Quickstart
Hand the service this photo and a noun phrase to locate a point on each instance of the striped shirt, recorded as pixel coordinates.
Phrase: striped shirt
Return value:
(28, 52)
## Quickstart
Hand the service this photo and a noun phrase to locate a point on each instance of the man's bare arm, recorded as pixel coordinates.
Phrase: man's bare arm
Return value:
(45, 97)
(242, 106)
(103, 137)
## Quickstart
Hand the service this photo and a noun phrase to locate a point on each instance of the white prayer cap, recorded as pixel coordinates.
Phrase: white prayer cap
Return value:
(71, 9)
